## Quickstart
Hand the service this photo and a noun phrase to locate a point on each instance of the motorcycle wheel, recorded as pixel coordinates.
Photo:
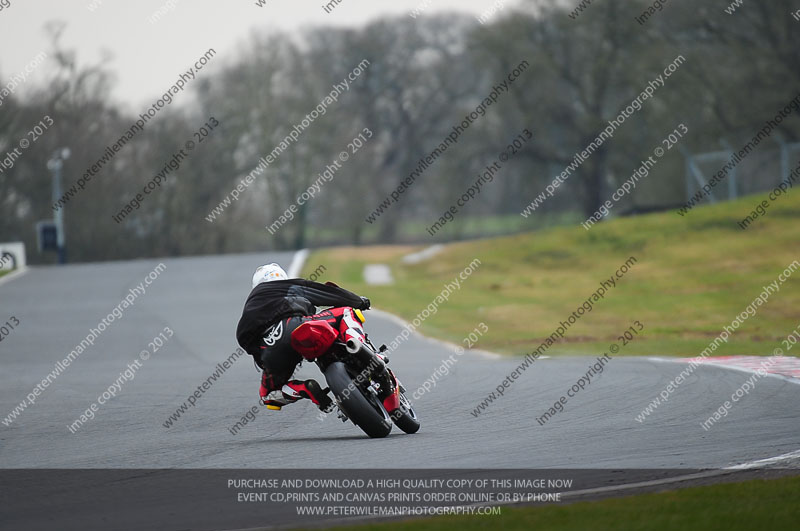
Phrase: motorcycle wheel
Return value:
(405, 417)
(362, 407)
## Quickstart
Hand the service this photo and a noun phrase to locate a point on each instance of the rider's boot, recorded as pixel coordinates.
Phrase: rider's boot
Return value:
(271, 394)
(295, 390)
(277, 399)
(308, 389)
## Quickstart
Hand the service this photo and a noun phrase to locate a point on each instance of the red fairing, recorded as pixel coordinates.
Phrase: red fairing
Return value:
(343, 319)
(312, 339)
(392, 402)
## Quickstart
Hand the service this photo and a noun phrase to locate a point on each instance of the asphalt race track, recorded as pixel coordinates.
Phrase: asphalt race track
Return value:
(200, 299)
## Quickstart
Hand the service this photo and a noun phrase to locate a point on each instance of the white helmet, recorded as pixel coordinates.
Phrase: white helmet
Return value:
(268, 273)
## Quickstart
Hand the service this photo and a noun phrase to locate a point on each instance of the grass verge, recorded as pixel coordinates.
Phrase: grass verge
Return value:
(756, 504)
(694, 275)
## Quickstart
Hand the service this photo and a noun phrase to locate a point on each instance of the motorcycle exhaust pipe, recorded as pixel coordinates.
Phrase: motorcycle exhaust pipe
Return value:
(353, 346)
(358, 348)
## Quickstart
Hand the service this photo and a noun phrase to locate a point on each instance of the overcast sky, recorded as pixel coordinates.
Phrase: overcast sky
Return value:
(148, 57)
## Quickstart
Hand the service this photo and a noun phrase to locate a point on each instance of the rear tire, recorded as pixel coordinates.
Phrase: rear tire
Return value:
(366, 412)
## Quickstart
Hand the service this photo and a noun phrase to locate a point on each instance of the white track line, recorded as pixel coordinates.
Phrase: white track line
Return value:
(298, 261)
(767, 461)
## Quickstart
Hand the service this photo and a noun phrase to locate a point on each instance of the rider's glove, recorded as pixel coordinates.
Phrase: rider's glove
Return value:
(364, 303)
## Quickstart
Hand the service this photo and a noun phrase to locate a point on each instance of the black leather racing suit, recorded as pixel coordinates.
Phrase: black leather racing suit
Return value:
(273, 310)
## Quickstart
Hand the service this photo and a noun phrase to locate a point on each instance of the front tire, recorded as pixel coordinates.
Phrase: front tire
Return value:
(405, 417)
(366, 412)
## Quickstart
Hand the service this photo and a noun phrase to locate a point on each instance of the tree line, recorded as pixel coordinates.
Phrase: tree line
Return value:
(421, 77)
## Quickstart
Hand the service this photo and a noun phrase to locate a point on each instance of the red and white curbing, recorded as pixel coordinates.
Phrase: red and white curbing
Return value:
(786, 367)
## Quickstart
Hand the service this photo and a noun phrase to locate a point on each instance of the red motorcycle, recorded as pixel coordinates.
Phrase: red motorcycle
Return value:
(364, 389)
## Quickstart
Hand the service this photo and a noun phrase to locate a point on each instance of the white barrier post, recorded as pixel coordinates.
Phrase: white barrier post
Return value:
(12, 256)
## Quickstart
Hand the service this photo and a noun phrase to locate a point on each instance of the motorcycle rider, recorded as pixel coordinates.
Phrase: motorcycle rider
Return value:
(275, 307)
